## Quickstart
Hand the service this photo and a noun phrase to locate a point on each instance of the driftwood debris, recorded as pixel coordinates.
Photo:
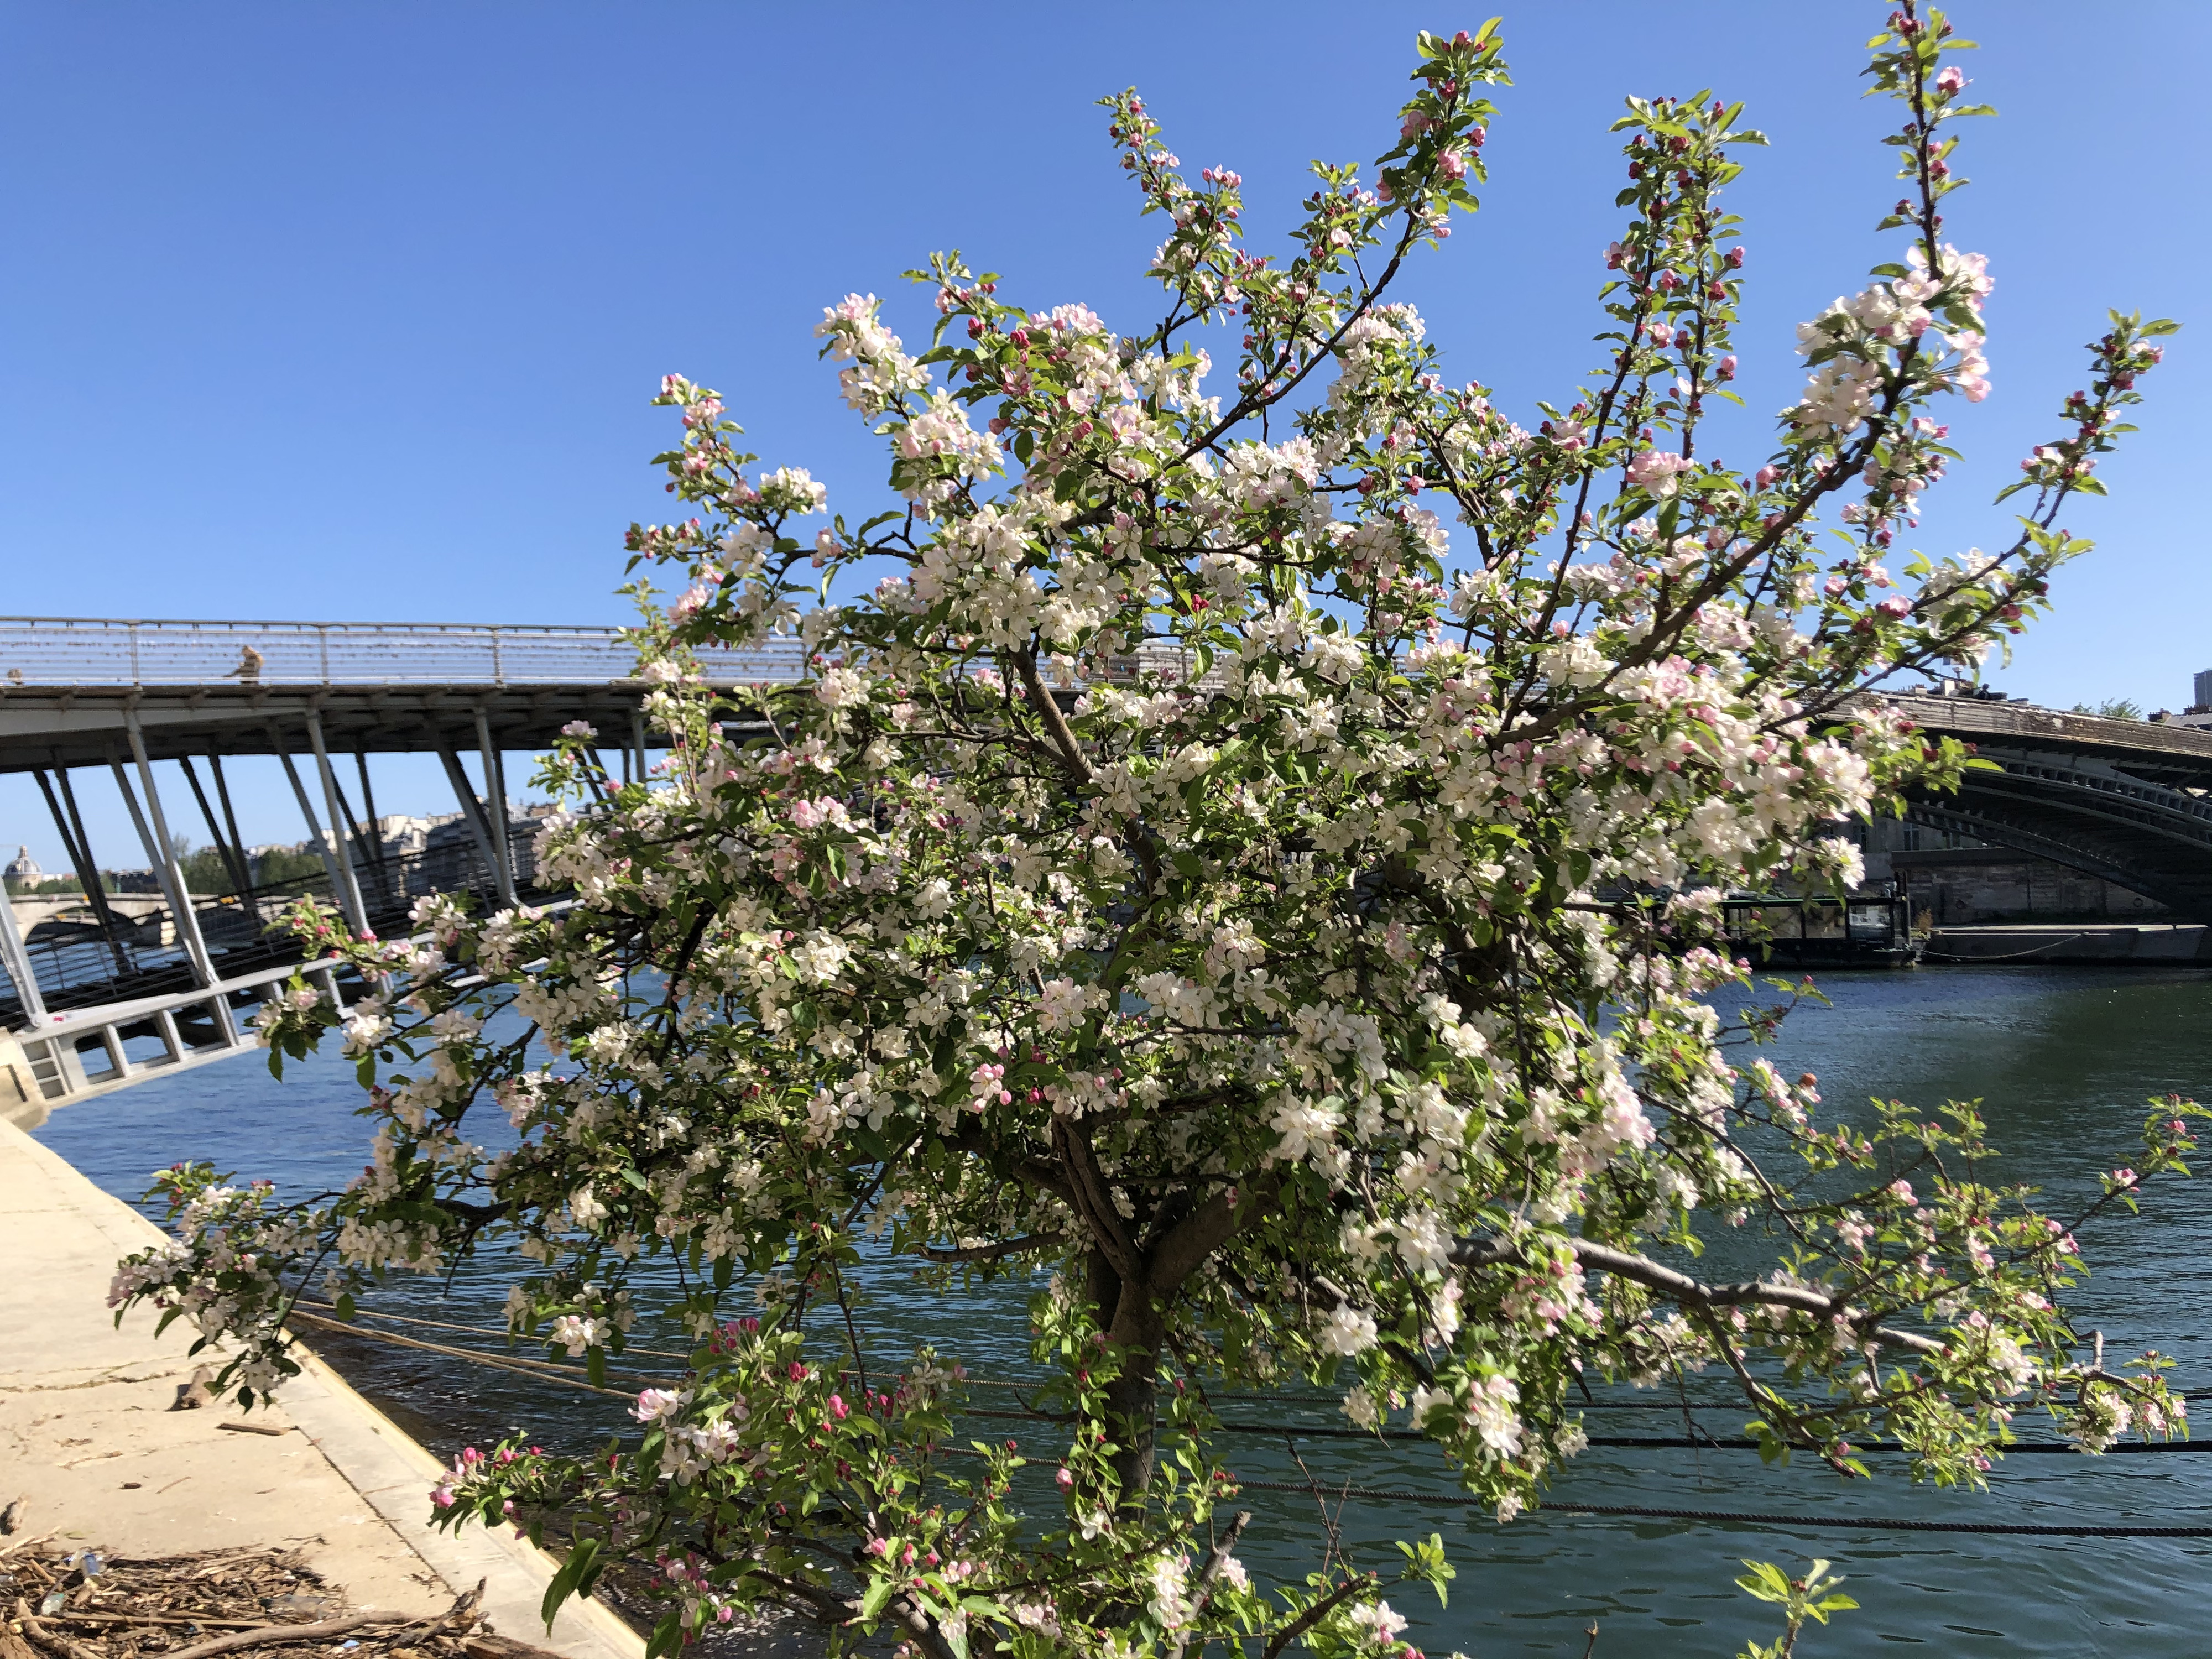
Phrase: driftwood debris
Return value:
(245, 1603)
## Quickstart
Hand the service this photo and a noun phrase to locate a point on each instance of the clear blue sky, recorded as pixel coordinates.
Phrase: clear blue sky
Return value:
(353, 311)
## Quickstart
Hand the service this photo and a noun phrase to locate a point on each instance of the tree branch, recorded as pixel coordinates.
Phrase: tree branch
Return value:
(1203, 1592)
(993, 1252)
(1095, 1205)
(1187, 1245)
(1063, 738)
(1313, 1614)
(1680, 1288)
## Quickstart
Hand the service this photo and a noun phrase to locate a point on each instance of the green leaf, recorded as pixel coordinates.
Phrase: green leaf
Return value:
(1765, 1580)
(667, 1636)
(565, 1582)
(877, 1593)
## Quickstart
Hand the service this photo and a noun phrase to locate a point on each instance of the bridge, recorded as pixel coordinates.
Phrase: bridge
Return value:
(121, 996)
(2129, 801)
(104, 1001)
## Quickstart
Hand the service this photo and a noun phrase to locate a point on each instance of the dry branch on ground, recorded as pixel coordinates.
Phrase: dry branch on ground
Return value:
(265, 1603)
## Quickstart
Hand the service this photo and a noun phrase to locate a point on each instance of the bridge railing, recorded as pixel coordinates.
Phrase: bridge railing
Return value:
(77, 966)
(79, 651)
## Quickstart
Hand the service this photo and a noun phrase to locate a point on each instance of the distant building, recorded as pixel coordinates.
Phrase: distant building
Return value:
(2199, 712)
(25, 869)
(403, 835)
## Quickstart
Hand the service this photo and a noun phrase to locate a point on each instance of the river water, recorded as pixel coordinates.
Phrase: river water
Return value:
(2063, 1059)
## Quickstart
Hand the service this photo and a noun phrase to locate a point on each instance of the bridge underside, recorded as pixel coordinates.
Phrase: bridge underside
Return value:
(103, 958)
(2125, 801)
(44, 726)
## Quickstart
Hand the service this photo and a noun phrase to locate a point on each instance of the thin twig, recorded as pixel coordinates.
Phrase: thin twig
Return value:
(1207, 1574)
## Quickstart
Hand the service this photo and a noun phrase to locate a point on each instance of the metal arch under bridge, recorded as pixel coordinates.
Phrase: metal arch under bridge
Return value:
(112, 1006)
(2129, 801)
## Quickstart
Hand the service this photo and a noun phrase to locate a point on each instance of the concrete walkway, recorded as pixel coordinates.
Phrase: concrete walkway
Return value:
(87, 1439)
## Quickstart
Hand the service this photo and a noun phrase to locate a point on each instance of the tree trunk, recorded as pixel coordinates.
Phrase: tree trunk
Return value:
(1131, 1401)
(1125, 1314)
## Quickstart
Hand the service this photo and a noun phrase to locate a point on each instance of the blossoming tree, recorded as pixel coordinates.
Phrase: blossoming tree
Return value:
(1253, 858)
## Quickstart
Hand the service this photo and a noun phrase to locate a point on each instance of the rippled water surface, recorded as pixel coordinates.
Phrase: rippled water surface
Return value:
(2063, 1059)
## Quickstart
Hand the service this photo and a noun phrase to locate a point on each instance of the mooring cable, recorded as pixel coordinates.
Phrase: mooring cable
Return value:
(550, 1371)
(1729, 1517)
(536, 1370)
(1450, 1500)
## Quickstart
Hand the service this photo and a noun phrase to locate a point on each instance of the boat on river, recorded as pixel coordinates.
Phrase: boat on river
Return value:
(1788, 930)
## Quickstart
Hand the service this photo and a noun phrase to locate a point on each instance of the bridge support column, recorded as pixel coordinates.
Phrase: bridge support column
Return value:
(233, 859)
(472, 813)
(162, 850)
(72, 828)
(307, 811)
(229, 817)
(342, 833)
(18, 963)
(495, 810)
(384, 882)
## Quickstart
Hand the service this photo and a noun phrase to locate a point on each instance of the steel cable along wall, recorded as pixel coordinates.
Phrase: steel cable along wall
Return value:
(1330, 1491)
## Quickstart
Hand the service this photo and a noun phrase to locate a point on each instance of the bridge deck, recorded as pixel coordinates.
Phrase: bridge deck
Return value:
(68, 684)
(2142, 746)
(2113, 797)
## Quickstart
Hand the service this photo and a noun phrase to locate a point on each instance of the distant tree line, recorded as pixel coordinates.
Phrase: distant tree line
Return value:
(205, 871)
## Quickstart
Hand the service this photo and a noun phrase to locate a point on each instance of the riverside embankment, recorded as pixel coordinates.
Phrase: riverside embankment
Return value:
(89, 1442)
